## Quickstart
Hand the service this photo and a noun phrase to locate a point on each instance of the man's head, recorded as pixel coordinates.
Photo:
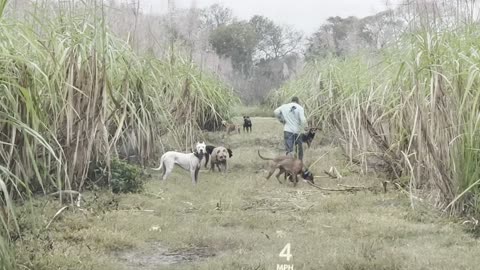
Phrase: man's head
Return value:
(295, 99)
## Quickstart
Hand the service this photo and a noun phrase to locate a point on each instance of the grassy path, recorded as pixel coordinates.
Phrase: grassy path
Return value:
(241, 221)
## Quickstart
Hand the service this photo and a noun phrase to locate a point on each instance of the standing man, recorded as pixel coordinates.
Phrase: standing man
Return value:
(292, 116)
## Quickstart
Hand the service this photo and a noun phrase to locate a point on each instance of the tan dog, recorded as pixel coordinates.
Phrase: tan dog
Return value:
(219, 157)
(289, 165)
(229, 127)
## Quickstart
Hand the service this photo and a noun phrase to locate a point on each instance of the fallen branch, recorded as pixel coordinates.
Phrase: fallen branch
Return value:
(318, 159)
(351, 189)
(355, 187)
(329, 174)
(135, 210)
(333, 173)
(336, 172)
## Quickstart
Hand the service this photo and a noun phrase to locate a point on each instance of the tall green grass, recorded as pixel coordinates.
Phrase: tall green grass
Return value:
(72, 95)
(411, 110)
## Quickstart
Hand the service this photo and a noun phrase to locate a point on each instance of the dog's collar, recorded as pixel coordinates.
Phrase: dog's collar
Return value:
(306, 174)
(198, 155)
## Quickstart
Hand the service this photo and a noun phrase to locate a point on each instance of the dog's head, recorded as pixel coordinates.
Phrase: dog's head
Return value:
(221, 153)
(308, 175)
(200, 148)
(224, 123)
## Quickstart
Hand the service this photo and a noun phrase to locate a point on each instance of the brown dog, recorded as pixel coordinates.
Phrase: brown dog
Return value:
(288, 165)
(219, 157)
(229, 127)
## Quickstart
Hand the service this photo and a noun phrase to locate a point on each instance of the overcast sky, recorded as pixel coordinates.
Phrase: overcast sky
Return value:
(305, 15)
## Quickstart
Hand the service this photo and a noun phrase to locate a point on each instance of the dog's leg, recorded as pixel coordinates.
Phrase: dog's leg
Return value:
(168, 169)
(192, 173)
(162, 159)
(295, 179)
(212, 166)
(272, 170)
(207, 156)
(222, 169)
(280, 171)
(196, 175)
(164, 171)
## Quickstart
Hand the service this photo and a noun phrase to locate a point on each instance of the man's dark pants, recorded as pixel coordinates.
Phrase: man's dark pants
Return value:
(291, 140)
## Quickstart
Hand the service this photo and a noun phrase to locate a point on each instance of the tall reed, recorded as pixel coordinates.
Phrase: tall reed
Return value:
(72, 95)
(411, 110)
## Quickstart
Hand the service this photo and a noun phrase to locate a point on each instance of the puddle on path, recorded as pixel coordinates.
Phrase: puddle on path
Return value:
(158, 255)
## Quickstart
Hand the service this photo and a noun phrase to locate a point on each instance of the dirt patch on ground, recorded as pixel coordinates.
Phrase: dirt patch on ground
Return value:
(158, 255)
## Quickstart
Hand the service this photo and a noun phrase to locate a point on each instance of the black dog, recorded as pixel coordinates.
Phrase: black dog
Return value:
(308, 137)
(209, 150)
(247, 124)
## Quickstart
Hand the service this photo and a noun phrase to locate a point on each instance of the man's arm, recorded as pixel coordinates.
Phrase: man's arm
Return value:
(303, 119)
(278, 114)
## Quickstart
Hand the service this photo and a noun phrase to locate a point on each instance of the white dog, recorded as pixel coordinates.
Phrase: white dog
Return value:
(189, 162)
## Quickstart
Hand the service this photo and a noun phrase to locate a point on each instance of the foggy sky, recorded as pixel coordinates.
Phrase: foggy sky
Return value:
(304, 15)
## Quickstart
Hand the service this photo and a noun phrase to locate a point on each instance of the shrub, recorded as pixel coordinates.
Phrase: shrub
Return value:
(126, 178)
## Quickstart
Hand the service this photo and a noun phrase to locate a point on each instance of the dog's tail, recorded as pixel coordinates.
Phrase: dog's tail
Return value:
(264, 158)
(161, 164)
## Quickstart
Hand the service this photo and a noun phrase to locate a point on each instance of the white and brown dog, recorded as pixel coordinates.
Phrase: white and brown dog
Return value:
(219, 157)
(189, 162)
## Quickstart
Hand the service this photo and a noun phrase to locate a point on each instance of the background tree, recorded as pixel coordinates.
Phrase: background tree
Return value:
(274, 41)
(343, 36)
(217, 15)
(236, 41)
(380, 29)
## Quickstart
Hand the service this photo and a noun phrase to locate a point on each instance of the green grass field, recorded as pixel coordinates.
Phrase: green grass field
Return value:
(241, 221)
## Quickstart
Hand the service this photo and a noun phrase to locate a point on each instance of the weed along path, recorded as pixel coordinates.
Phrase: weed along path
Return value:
(241, 221)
